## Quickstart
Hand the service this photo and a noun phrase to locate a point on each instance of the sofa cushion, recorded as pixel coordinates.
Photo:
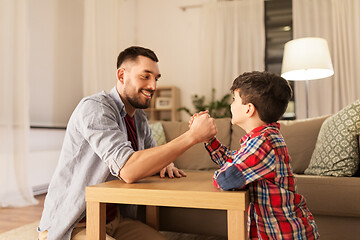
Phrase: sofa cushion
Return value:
(236, 134)
(197, 158)
(300, 137)
(332, 196)
(158, 133)
(336, 150)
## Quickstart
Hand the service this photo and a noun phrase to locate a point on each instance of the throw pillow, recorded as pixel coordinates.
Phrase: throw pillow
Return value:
(158, 133)
(300, 137)
(336, 149)
(357, 174)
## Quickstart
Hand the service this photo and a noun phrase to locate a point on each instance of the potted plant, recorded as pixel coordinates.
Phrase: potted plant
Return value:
(217, 108)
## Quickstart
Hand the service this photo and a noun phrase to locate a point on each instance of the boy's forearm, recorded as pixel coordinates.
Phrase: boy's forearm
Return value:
(213, 147)
(150, 161)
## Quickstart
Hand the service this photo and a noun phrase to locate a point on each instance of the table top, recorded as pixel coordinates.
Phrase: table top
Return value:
(196, 191)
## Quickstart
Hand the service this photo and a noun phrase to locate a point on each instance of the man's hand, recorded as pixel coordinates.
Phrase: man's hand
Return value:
(172, 171)
(202, 127)
(196, 115)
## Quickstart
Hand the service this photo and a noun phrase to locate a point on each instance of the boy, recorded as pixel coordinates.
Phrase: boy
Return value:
(262, 163)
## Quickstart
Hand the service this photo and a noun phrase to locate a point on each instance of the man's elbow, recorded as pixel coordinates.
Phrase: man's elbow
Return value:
(128, 178)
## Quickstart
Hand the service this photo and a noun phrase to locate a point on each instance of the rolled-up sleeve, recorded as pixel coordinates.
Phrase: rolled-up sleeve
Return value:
(100, 127)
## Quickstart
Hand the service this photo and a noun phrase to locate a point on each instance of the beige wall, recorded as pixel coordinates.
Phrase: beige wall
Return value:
(175, 36)
(55, 60)
(55, 73)
(56, 31)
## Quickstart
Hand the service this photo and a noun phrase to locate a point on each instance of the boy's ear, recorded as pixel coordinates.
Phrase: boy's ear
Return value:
(251, 110)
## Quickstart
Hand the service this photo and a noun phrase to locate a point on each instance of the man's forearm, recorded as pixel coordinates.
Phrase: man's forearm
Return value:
(150, 161)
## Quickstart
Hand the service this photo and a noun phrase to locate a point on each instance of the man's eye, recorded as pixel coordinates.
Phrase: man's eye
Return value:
(145, 76)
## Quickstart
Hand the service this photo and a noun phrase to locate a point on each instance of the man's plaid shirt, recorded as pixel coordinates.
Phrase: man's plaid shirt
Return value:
(276, 211)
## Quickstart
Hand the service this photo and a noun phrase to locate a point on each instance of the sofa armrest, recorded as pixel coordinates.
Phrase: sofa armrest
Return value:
(332, 196)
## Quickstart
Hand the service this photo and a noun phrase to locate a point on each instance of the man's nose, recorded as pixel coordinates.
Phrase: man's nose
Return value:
(152, 84)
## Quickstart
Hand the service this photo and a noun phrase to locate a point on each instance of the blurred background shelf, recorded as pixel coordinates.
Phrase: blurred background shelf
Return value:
(164, 104)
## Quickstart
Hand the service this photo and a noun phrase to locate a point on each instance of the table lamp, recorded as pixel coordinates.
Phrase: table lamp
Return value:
(306, 59)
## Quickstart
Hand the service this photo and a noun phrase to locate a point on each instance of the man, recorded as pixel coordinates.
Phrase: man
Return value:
(108, 137)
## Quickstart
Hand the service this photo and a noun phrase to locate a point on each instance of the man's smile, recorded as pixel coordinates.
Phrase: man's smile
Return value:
(147, 94)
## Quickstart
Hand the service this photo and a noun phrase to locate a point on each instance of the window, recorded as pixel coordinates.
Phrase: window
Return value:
(278, 31)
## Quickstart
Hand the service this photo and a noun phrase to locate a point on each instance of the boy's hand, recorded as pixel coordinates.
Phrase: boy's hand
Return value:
(203, 127)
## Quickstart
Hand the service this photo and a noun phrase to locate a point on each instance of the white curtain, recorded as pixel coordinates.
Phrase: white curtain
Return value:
(232, 42)
(14, 118)
(338, 22)
(100, 45)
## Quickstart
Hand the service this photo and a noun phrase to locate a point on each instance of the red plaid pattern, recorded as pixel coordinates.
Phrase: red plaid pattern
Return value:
(276, 211)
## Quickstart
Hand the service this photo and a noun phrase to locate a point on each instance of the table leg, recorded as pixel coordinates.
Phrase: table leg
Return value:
(95, 221)
(237, 227)
(152, 216)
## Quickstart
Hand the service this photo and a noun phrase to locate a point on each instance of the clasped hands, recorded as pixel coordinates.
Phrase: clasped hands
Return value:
(202, 126)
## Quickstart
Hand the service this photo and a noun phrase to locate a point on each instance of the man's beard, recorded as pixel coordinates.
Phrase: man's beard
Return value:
(137, 104)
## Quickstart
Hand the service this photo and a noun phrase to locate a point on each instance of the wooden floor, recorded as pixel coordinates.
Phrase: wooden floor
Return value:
(11, 218)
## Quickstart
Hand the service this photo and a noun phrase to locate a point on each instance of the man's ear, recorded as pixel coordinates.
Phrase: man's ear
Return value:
(120, 75)
(251, 109)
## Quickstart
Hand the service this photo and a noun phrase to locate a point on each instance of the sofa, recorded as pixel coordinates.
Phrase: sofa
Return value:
(334, 201)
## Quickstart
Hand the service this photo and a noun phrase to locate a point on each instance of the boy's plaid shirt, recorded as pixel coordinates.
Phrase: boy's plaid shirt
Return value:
(276, 211)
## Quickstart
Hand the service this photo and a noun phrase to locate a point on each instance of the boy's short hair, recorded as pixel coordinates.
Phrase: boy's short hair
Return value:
(133, 52)
(269, 93)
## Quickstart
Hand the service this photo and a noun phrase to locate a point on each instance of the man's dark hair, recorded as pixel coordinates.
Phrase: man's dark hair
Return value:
(133, 52)
(269, 93)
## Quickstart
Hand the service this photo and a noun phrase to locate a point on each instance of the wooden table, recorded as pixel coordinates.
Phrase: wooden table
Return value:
(194, 191)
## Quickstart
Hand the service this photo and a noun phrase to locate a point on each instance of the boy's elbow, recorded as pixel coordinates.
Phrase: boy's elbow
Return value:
(230, 187)
(231, 178)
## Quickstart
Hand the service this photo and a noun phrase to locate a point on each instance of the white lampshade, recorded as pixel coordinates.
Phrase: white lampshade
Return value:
(306, 59)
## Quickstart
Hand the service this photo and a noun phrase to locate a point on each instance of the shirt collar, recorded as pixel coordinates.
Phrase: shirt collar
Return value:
(257, 130)
(116, 97)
